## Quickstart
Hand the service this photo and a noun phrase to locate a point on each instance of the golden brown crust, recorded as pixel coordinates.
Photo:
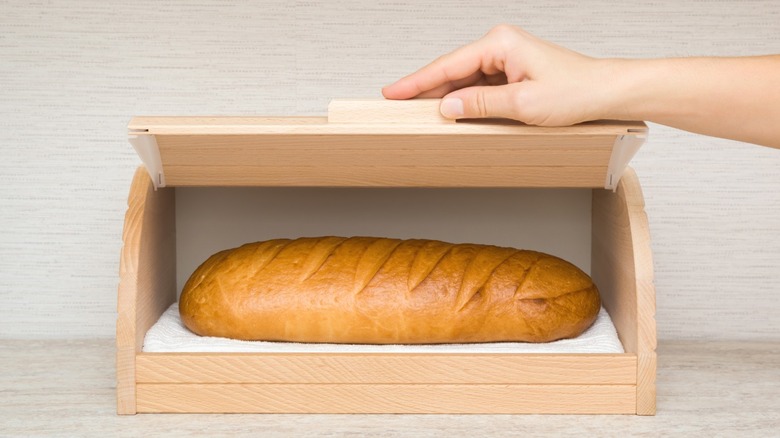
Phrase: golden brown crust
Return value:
(387, 291)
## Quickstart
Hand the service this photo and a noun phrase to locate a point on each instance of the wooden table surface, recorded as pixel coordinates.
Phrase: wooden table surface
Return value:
(704, 389)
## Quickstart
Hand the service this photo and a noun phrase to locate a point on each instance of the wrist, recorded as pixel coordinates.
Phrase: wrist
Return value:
(617, 84)
(646, 89)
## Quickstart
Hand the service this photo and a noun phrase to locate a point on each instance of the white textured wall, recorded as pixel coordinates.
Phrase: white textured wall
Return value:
(72, 73)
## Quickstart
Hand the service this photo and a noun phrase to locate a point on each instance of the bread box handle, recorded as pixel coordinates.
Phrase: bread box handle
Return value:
(381, 111)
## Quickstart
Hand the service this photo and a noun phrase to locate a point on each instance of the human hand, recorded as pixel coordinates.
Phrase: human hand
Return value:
(509, 73)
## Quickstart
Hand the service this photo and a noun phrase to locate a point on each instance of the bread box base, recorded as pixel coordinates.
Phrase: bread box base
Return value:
(621, 266)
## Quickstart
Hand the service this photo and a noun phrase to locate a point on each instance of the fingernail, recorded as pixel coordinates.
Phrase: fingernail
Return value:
(451, 107)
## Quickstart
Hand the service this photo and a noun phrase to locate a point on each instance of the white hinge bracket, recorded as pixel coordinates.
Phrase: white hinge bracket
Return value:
(624, 149)
(145, 146)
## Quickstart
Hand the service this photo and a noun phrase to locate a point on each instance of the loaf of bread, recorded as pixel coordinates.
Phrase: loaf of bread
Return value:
(387, 291)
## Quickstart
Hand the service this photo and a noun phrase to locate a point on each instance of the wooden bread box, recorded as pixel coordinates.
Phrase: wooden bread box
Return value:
(377, 143)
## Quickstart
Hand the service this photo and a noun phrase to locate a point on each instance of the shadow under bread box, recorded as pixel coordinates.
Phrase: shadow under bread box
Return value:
(385, 144)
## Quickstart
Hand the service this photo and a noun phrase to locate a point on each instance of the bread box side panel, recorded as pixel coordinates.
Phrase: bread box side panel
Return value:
(147, 277)
(622, 268)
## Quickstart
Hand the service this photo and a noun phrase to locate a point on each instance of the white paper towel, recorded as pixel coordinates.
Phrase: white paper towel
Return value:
(169, 335)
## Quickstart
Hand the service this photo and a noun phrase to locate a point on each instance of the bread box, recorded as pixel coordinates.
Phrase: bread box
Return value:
(376, 143)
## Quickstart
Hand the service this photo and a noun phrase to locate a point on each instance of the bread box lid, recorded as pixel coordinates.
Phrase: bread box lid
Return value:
(377, 143)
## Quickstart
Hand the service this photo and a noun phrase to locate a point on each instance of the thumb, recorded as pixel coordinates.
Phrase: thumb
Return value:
(482, 101)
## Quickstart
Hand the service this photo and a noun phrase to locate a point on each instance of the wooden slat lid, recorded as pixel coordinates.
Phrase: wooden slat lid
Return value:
(382, 143)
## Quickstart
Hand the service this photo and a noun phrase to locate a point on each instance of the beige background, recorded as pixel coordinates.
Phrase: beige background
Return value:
(72, 73)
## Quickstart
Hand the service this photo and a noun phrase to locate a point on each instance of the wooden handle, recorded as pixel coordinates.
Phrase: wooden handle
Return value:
(371, 111)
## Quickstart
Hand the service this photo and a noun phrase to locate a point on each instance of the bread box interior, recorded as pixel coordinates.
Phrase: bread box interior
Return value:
(392, 169)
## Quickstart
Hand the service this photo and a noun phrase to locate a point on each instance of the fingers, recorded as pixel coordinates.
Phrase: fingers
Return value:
(483, 101)
(461, 64)
(477, 78)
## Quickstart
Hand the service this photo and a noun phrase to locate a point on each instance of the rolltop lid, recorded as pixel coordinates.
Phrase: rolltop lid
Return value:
(382, 143)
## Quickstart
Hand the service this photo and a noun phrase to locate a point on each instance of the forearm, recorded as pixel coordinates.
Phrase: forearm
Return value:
(737, 98)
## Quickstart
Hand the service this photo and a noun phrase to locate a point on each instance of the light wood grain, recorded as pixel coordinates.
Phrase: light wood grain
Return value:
(147, 277)
(359, 398)
(191, 156)
(364, 141)
(622, 268)
(612, 262)
(385, 160)
(386, 111)
(386, 176)
(368, 150)
(174, 147)
(616, 369)
(645, 290)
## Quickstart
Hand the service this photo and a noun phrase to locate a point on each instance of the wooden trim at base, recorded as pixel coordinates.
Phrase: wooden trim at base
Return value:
(385, 368)
(370, 398)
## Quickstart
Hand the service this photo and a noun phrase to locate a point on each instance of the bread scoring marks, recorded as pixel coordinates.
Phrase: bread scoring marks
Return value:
(320, 254)
(475, 276)
(525, 276)
(371, 261)
(263, 256)
(419, 272)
